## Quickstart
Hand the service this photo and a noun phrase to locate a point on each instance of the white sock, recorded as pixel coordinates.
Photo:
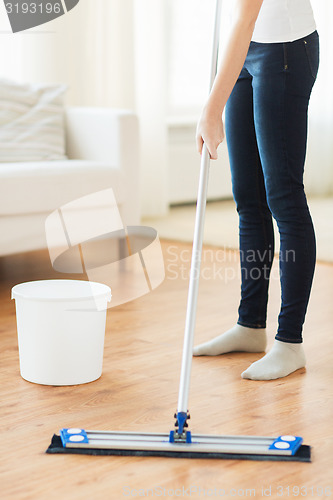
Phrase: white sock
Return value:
(238, 338)
(283, 359)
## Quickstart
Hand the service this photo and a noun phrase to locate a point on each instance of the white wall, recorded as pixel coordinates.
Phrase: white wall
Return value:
(319, 164)
(90, 48)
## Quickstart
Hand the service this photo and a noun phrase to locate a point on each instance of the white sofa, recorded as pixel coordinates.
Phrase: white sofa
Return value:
(102, 145)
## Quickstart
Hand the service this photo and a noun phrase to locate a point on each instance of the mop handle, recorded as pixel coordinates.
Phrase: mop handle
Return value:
(185, 374)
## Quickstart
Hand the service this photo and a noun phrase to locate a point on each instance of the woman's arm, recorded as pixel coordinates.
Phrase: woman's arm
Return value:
(210, 126)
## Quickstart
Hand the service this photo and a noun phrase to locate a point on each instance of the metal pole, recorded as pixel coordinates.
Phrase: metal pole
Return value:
(185, 375)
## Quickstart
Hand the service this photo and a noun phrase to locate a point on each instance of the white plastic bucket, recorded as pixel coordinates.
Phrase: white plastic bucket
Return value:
(61, 330)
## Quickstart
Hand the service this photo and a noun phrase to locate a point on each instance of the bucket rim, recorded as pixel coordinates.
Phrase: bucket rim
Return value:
(97, 291)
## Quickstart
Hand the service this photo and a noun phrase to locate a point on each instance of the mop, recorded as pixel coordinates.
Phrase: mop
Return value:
(180, 442)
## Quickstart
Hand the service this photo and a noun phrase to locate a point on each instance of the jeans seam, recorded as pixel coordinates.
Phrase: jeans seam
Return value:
(285, 157)
(288, 341)
(285, 57)
(248, 325)
(263, 298)
(285, 149)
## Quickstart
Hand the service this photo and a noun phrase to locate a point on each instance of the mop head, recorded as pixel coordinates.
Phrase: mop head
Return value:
(303, 453)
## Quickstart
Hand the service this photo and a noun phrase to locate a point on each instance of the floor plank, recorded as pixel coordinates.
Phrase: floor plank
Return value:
(139, 387)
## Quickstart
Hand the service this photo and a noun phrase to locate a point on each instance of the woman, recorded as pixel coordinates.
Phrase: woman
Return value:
(264, 82)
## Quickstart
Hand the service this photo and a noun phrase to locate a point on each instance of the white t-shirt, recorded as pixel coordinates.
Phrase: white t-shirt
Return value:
(284, 21)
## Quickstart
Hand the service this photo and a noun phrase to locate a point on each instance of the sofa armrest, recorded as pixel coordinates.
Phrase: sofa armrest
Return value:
(110, 136)
(101, 134)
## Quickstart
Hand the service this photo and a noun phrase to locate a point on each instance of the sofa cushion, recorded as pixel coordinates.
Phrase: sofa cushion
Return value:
(35, 187)
(31, 122)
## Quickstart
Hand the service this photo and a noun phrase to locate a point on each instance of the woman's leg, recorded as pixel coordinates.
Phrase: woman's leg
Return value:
(255, 227)
(281, 95)
(256, 235)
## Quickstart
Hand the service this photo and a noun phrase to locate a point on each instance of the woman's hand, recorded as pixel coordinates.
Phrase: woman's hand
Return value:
(210, 131)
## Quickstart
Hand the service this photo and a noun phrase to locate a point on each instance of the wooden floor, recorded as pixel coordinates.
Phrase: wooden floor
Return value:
(139, 387)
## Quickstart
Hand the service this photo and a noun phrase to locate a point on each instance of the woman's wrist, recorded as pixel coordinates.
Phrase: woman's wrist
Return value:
(212, 110)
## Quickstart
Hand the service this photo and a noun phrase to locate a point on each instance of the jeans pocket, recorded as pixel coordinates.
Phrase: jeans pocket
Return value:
(311, 44)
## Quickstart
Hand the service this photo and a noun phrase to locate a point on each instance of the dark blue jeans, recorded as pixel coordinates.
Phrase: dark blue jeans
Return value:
(266, 131)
